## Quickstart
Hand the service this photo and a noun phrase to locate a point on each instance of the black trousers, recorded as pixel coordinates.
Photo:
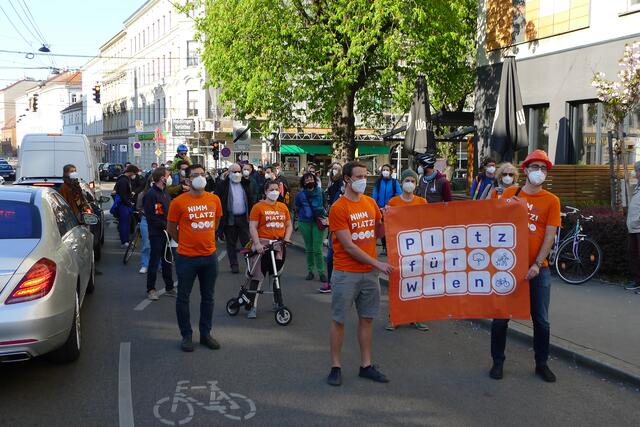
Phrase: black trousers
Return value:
(158, 255)
(238, 231)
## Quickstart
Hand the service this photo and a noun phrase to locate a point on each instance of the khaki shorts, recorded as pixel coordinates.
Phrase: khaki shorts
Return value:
(361, 288)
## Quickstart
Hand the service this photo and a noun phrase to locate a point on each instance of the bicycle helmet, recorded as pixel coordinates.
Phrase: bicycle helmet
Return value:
(426, 160)
(182, 148)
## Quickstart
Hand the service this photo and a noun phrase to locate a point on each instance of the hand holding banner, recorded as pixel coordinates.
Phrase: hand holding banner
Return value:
(457, 260)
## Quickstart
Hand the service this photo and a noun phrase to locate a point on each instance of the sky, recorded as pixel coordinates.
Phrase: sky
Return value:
(68, 26)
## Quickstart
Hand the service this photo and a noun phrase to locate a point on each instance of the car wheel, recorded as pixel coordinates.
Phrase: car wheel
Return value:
(70, 350)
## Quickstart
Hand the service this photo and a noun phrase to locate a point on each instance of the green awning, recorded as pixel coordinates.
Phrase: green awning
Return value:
(305, 149)
(366, 150)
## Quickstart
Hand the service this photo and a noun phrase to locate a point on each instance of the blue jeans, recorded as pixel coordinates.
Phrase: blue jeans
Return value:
(157, 254)
(124, 223)
(145, 251)
(205, 268)
(540, 295)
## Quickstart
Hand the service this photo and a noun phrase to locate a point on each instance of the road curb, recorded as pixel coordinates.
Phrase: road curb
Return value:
(604, 364)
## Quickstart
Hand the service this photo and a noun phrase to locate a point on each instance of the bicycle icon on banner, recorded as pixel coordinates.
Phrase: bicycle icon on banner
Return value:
(180, 409)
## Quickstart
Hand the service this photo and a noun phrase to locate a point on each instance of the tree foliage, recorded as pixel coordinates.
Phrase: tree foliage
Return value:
(326, 61)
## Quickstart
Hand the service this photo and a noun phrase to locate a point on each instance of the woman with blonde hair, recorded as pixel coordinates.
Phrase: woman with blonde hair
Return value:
(506, 176)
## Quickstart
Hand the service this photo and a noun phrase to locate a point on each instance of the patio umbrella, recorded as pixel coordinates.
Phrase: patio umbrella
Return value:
(509, 132)
(419, 136)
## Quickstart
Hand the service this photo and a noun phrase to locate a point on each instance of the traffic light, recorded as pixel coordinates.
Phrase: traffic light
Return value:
(216, 150)
(96, 94)
(33, 103)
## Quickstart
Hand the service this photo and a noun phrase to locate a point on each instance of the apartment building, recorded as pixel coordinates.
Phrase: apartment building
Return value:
(9, 113)
(558, 45)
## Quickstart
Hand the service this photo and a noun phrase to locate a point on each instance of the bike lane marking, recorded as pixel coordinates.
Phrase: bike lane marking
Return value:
(146, 302)
(125, 404)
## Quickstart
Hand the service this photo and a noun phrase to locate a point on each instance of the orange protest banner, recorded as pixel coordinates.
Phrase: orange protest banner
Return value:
(460, 260)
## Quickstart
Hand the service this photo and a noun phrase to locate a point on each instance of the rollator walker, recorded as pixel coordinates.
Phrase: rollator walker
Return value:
(282, 313)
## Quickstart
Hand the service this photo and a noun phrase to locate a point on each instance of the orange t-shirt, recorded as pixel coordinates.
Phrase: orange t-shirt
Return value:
(272, 219)
(399, 201)
(359, 218)
(544, 210)
(197, 219)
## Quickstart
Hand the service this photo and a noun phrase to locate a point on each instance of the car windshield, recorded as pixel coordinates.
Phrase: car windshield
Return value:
(5, 166)
(19, 220)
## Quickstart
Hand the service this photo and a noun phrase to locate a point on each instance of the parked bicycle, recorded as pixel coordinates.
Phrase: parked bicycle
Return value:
(577, 258)
(135, 237)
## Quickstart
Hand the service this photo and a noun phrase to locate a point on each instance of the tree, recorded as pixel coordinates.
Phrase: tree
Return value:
(620, 98)
(319, 61)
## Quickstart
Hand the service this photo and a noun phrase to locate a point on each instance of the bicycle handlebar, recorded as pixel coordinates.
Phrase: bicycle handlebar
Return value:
(572, 210)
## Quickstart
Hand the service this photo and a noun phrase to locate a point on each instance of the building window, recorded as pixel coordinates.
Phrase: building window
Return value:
(164, 66)
(633, 5)
(192, 54)
(537, 117)
(192, 103)
(169, 19)
(74, 98)
(170, 60)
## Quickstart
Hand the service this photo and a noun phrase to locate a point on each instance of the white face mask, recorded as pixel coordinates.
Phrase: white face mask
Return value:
(74, 175)
(507, 180)
(491, 170)
(273, 195)
(408, 187)
(420, 170)
(359, 185)
(536, 177)
(183, 172)
(394, 175)
(168, 181)
(386, 174)
(268, 175)
(199, 182)
(246, 172)
(335, 172)
(236, 177)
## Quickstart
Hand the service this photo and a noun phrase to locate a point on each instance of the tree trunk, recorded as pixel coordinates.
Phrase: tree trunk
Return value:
(344, 130)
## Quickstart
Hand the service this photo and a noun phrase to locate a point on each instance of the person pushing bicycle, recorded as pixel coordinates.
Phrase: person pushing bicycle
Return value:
(268, 220)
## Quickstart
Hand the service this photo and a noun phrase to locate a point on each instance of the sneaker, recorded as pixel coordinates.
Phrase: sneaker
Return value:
(325, 288)
(309, 276)
(171, 293)
(420, 326)
(187, 344)
(143, 270)
(372, 373)
(152, 295)
(496, 372)
(124, 245)
(323, 277)
(252, 313)
(335, 376)
(545, 373)
(209, 341)
(235, 269)
(390, 326)
(632, 287)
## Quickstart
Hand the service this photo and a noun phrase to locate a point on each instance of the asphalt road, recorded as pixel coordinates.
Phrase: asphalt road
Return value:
(275, 375)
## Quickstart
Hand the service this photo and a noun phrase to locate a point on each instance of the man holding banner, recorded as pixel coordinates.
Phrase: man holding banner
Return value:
(355, 223)
(544, 219)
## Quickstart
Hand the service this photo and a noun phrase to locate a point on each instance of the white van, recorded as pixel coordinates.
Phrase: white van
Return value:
(43, 155)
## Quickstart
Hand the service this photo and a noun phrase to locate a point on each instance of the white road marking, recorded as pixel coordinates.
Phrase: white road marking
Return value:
(125, 403)
(145, 302)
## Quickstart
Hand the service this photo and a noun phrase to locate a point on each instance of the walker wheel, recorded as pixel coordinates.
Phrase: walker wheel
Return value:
(233, 307)
(283, 316)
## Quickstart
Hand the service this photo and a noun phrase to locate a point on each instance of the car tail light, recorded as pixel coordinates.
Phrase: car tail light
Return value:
(44, 184)
(92, 185)
(37, 283)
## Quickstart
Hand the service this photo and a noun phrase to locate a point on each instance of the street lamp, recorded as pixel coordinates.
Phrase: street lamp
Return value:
(44, 49)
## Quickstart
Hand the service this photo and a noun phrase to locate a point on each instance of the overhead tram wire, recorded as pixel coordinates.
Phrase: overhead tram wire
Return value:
(33, 24)
(31, 19)
(73, 55)
(14, 26)
(35, 36)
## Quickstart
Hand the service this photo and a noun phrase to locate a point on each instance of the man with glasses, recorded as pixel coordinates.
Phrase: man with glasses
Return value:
(192, 222)
(544, 220)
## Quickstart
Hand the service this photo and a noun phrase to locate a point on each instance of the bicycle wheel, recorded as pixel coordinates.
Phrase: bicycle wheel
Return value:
(576, 266)
(128, 253)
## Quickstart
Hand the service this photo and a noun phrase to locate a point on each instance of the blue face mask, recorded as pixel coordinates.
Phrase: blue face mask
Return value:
(430, 177)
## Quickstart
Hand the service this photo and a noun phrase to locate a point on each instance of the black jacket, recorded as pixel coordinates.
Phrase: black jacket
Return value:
(123, 189)
(222, 190)
(156, 207)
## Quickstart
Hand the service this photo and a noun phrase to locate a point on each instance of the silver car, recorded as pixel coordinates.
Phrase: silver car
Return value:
(46, 268)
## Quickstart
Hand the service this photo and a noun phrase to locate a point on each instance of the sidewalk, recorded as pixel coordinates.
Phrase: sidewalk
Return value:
(596, 325)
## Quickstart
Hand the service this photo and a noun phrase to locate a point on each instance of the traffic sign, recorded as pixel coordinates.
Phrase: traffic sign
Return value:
(139, 126)
(158, 152)
(137, 148)
(225, 152)
(123, 148)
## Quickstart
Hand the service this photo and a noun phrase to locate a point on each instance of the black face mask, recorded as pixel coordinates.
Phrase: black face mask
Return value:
(310, 185)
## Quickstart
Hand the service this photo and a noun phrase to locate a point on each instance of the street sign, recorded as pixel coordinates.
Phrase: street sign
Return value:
(123, 148)
(183, 127)
(137, 149)
(225, 152)
(242, 146)
(139, 126)
(158, 152)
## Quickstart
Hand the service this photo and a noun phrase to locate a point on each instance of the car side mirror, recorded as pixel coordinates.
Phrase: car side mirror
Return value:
(89, 219)
(104, 199)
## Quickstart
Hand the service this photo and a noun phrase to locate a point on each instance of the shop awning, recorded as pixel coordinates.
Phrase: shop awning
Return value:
(367, 150)
(305, 149)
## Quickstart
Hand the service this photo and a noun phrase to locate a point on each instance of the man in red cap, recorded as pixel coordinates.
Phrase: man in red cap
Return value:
(544, 220)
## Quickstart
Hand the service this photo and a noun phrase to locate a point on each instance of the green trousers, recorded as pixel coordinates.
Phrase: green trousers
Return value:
(313, 237)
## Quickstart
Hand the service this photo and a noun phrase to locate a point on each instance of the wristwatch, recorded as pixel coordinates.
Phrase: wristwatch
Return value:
(539, 264)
